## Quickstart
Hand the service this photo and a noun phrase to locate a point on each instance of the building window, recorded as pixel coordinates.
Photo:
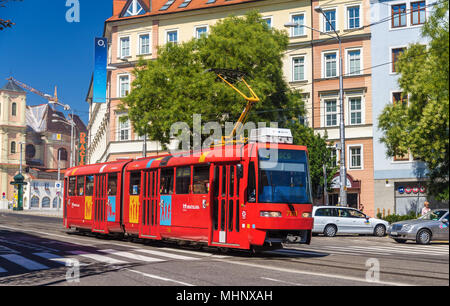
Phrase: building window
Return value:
(355, 157)
(62, 154)
(144, 44)
(34, 203)
(134, 9)
(331, 112)
(124, 130)
(353, 17)
(299, 29)
(13, 147)
(331, 16)
(298, 69)
(30, 151)
(355, 107)
(56, 202)
(398, 15)
(124, 47)
(46, 202)
(268, 20)
(401, 157)
(399, 97)
(334, 157)
(396, 52)
(418, 13)
(354, 62)
(124, 85)
(330, 64)
(172, 37)
(201, 31)
(14, 109)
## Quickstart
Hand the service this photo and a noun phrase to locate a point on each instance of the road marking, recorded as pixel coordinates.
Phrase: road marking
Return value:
(5, 249)
(204, 254)
(98, 257)
(169, 255)
(280, 281)
(159, 277)
(375, 250)
(24, 262)
(342, 277)
(58, 259)
(297, 252)
(132, 255)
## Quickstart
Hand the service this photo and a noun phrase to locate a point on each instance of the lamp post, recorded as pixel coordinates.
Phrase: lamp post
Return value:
(343, 169)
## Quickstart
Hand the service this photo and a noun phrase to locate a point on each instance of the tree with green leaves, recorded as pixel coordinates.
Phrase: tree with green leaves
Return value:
(180, 83)
(421, 126)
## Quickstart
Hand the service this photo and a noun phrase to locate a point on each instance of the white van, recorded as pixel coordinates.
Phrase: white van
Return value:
(330, 220)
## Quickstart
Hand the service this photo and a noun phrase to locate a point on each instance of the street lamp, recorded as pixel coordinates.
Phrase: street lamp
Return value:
(343, 170)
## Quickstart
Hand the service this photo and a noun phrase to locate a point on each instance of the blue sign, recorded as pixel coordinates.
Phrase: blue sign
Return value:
(165, 211)
(100, 73)
(111, 209)
(401, 190)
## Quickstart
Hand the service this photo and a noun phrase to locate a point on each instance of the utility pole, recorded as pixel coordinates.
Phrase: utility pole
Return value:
(343, 170)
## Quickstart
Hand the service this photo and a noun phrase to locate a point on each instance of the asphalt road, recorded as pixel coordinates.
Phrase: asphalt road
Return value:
(37, 250)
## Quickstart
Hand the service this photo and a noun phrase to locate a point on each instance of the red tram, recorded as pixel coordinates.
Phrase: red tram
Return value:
(233, 196)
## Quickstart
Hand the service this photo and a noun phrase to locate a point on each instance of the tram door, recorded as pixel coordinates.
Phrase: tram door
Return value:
(149, 219)
(100, 203)
(225, 214)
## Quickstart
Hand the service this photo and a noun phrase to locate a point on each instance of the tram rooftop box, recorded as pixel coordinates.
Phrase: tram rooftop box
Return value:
(272, 135)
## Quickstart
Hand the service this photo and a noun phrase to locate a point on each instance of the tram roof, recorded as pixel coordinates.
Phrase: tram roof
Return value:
(227, 153)
(109, 167)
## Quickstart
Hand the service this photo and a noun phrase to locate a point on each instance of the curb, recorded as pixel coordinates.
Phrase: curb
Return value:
(33, 213)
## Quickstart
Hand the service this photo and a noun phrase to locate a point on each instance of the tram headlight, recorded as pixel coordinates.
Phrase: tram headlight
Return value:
(270, 214)
(306, 215)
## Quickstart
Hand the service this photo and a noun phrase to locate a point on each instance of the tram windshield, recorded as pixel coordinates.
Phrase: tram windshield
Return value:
(284, 177)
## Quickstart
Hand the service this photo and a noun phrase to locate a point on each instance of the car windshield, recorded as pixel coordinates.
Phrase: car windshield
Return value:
(284, 177)
(434, 215)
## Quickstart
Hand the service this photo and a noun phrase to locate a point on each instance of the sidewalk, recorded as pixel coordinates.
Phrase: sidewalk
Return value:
(44, 213)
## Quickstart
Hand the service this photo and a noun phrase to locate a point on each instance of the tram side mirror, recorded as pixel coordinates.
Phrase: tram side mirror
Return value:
(240, 171)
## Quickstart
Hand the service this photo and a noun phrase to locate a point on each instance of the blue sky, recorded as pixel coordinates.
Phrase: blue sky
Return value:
(44, 50)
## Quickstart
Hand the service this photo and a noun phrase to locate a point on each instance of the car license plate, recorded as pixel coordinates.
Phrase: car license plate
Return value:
(394, 233)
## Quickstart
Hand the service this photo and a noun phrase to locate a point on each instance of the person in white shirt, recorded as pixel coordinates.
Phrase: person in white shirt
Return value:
(426, 208)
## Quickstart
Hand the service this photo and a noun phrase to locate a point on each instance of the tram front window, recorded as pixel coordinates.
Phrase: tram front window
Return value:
(284, 177)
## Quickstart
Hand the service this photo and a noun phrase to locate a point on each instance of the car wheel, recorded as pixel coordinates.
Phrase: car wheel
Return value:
(330, 230)
(400, 240)
(380, 230)
(423, 237)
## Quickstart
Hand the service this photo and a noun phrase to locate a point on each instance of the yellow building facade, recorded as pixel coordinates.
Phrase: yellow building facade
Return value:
(12, 134)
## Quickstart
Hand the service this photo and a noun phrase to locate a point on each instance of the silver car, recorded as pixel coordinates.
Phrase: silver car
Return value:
(330, 220)
(429, 227)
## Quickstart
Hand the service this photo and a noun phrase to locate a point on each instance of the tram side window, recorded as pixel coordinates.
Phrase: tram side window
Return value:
(72, 186)
(201, 180)
(80, 186)
(135, 183)
(166, 185)
(183, 182)
(112, 184)
(251, 186)
(89, 185)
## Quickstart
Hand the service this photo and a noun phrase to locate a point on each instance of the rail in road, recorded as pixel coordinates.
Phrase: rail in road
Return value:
(31, 257)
